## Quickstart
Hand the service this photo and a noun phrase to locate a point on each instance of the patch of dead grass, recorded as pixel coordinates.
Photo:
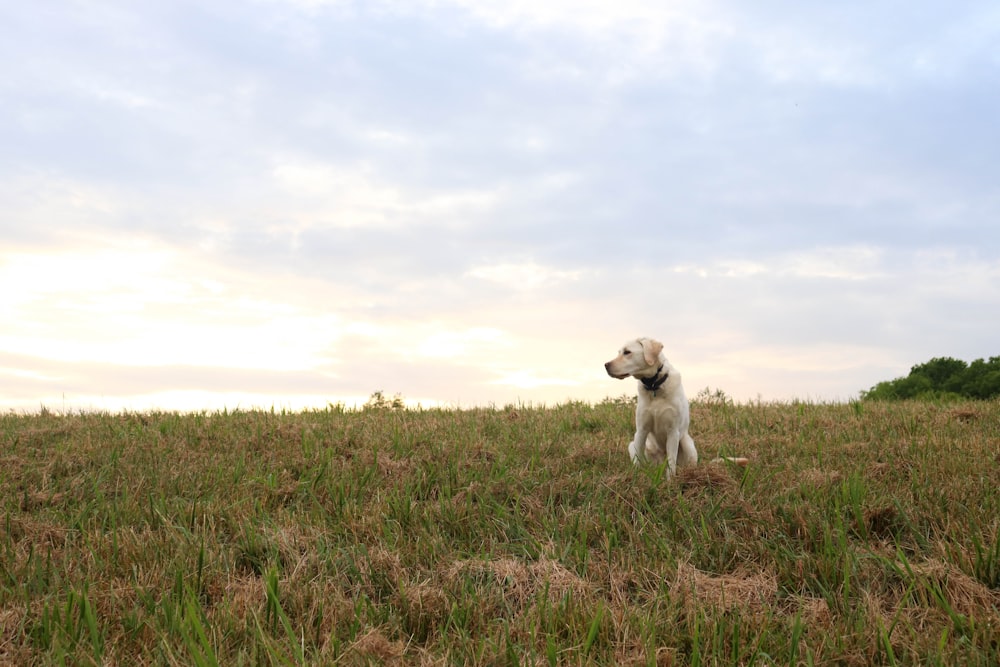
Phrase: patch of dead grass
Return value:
(377, 646)
(819, 476)
(965, 594)
(521, 581)
(750, 592)
(706, 477)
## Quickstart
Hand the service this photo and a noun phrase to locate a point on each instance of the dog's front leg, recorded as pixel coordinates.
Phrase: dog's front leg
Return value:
(672, 444)
(637, 448)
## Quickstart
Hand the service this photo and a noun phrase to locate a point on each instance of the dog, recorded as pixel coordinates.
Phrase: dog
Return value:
(662, 414)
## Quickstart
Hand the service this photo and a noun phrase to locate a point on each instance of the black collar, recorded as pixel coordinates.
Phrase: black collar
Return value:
(655, 382)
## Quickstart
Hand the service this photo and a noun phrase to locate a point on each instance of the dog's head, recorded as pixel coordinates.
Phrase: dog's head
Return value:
(637, 357)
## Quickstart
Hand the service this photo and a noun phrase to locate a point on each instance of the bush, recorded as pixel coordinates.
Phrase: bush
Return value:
(942, 377)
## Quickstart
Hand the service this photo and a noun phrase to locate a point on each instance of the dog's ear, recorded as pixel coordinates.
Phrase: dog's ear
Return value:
(651, 350)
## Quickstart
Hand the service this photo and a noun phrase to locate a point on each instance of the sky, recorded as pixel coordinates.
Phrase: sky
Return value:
(292, 203)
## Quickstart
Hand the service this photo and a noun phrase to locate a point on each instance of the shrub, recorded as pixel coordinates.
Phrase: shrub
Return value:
(942, 377)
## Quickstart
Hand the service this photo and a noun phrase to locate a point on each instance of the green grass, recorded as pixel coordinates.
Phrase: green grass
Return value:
(861, 533)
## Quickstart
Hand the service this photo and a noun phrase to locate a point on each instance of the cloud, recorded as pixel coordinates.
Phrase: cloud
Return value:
(353, 198)
(446, 343)
(147, 304)
(522, 275)
(471, 201)
(530, 380)
(851, 263)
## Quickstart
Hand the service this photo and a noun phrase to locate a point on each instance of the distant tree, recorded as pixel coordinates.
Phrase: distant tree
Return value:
(941, 371)
(379, 401)
(940, 377)
(982, 378)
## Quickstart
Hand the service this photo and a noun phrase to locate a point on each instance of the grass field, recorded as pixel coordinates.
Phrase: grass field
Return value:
(861, 533)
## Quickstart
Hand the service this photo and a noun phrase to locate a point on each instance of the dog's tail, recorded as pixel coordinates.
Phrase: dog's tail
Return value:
(737, 460)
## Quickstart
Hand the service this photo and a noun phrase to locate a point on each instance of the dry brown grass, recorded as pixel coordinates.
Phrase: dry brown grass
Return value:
(859, 534)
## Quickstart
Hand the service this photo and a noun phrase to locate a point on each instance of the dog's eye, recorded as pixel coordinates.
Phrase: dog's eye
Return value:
(626, 352)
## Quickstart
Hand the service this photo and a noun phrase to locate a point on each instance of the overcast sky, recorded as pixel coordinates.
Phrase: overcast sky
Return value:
(470, 202)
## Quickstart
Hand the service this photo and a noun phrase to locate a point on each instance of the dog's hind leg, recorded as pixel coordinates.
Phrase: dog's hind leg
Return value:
(687, 455)
(654, 453)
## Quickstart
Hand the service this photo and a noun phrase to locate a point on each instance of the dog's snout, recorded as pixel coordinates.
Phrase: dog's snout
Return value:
(610, 370)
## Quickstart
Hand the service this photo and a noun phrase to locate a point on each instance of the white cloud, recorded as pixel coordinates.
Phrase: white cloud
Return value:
(328, 195)
(853, 263)
(530, 380)
(588, 16)
(522, 275)
(39, 200)
(316, 179)
(143, 303)
(447, 343)
(116, 95)
(592, 17)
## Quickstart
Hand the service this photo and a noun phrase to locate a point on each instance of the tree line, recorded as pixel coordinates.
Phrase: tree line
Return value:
(942, 377)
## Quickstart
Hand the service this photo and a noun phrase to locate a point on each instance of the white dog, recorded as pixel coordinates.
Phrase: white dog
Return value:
(661, 413)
